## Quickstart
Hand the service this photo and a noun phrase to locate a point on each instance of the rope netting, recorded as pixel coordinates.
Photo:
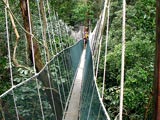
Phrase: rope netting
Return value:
(41, 91)
(97, 40)
(91, 106)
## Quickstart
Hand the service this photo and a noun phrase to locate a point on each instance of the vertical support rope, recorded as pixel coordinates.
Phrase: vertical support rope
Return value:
(34, 65)
(8, 44)
(59, 30)
(63, 56)
(123, 59)
(41, 29)
(51, 24)
(98, 56)
(49, 77)
(105, 59)
(106, 45)
(49, 34)
(9, 57)
(53, 35)
(60, 42)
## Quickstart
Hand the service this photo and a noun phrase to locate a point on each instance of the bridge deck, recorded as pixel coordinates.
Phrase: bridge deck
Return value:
(73, 107)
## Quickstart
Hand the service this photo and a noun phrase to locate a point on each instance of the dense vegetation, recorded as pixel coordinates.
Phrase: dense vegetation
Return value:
(140, 46)
(139, 64)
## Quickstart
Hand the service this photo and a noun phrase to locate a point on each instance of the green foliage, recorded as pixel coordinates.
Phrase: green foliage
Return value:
(139, 60)
(4, 69)
(77, 12)
(139, 65)
(138, 78)
(64, 9)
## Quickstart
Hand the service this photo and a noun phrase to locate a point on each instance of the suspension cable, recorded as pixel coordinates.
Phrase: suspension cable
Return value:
(105, 56)
(9, 57)
(123, 59)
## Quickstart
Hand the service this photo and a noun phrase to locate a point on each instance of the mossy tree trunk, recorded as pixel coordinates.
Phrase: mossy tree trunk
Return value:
(43, 77)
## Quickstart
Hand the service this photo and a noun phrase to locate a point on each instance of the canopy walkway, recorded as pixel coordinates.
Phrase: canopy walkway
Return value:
(66, 87)
(78, 96)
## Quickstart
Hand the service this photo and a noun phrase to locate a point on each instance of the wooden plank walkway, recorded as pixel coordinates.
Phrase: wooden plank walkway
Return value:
(73, 107)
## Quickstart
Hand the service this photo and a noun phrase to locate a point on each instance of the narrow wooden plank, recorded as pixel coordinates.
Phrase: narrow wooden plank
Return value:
(73, 108)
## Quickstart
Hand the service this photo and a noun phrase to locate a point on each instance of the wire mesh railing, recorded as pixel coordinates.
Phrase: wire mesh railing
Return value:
(91, 107)
(53, 94)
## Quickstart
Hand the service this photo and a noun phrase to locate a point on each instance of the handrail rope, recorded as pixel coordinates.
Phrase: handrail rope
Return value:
(123, 59)
(46, 61)
(33, 57)
(10, 63)
(36, 75)
(106, 46)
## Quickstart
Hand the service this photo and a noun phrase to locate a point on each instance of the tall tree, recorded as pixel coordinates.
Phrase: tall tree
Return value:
(157, 65)
(43, 77)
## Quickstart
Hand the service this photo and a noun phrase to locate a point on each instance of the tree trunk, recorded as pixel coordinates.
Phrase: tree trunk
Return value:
(43, 77)
(157, 66)
(44, 28)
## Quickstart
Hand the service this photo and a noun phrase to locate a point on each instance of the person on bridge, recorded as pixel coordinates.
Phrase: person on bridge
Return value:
(85, 38)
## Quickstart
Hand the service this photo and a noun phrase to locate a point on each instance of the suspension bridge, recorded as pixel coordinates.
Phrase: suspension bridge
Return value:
(65, 88)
